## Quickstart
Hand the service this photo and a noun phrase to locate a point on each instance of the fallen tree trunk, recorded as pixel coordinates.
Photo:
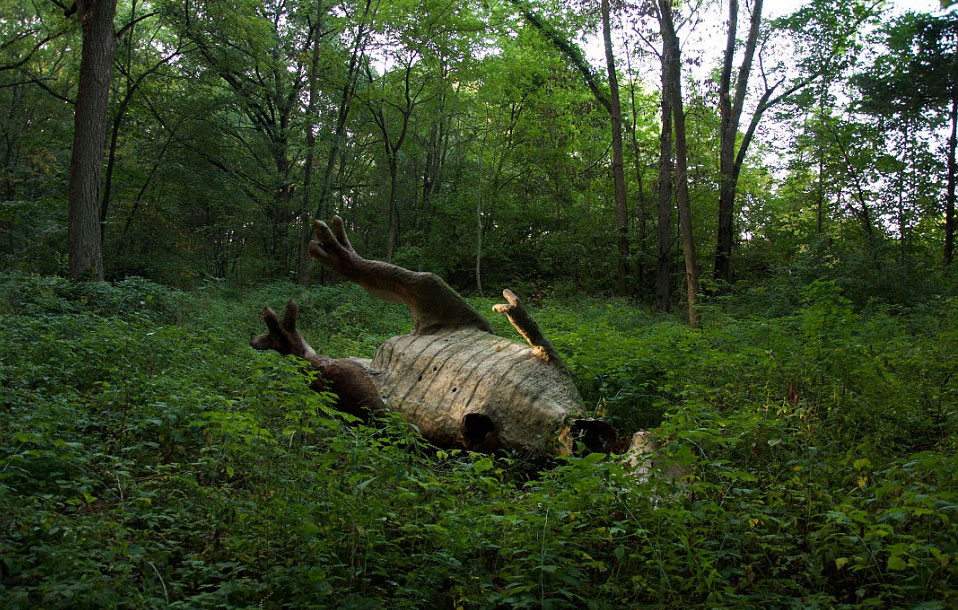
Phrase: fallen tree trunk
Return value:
(459, 383)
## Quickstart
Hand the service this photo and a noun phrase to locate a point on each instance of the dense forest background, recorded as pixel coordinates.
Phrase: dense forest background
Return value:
(735, 222)
(819, 143)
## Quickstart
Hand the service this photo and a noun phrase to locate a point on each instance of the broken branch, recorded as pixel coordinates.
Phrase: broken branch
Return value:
(527, 327)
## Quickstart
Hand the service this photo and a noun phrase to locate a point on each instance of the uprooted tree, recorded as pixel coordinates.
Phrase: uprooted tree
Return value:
(457, 381)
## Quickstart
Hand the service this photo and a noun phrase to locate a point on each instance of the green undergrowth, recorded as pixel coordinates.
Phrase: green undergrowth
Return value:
(150, 459)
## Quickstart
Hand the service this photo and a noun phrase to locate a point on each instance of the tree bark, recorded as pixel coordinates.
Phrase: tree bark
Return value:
(345, 101)
(482, 151)
(618, 171)
(642, 211)
(573, 54)
(663, 277)
(302, 273)
(392, 226)
(455, 380)
(731, 114)
(820, 212)
(89, 138)
(674, 65)
(950, 198)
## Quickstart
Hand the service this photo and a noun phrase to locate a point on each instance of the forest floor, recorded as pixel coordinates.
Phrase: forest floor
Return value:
(149, 458)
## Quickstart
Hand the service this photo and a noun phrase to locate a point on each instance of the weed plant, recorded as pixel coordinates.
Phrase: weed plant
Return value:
(150, 459)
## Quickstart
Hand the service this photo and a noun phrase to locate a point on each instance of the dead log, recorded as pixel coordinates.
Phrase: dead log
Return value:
(452, 377)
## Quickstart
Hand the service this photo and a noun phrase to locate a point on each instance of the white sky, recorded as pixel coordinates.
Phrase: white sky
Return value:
(709, 39)
(707, 42)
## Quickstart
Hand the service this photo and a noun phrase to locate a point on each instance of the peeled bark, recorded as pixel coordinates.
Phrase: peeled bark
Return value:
(459, 383)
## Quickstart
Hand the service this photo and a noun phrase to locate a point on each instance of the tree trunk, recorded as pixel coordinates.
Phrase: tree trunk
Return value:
(731, 112)
(345, 101)
(391, 148)
(574, 55)
(89, 138)
(392, 226)
(482, 151)
(455, 380)
(663, 278)
(641, 210)
(302, 270)
(436, 151)
(110, 165)
(618, 172)
(820, 216)
(674, 71)
(950, 198)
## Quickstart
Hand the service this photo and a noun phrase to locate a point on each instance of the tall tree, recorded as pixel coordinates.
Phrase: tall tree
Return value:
(89, 137)
(618, 172)
(822, 32)
(256, 51)
(394, 129)
(155, 57)
(663, 275)
(672, 69)
(346, 92)
(731, 112)
(916, 79)
(609, 101)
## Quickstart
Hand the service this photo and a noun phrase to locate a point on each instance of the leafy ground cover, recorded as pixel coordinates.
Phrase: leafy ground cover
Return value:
(150, 459)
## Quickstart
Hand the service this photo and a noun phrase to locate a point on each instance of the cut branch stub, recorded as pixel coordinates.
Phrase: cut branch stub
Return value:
(528, 328)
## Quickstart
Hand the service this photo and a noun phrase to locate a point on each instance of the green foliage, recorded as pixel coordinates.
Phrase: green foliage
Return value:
(149, 458)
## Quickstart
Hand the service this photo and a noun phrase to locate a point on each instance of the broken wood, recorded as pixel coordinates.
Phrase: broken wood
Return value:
(452, 377)
(527, 327)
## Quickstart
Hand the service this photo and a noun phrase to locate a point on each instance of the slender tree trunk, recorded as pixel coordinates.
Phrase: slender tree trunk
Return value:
(950, 198)
(146, 183)
(730, 110)
(280, 212)
(663, 277)
(902, 180)
(302, 270)
(345, 101)
(115, 131)
(574, 55)
(392, 227)
(618, 172)
(391, 149)
(723, 270)
(819, 224)
(89, 138)
(641, 210)
(435, 156)
(11, 143)
(482, 150)
(110, 164)
(670, 38)
(863, 213)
